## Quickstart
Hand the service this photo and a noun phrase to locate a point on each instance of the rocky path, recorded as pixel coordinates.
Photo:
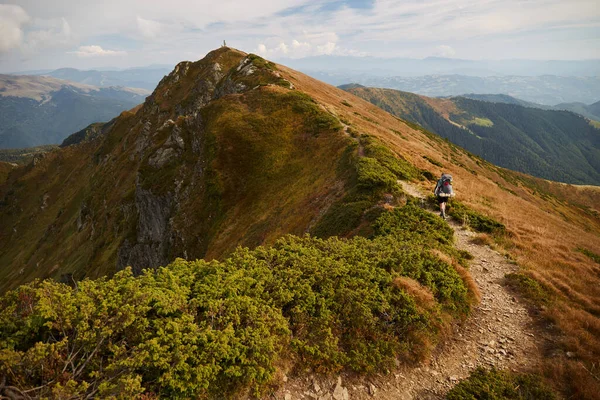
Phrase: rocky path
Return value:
(499, 333)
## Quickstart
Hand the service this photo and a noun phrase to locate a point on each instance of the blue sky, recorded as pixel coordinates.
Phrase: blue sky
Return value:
(41, 34)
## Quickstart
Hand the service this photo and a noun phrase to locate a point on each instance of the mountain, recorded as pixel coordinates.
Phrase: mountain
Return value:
(545, 89)
(591, 111)
(38, 110)
(555, 145)
(145, 77)
(377, 66)
(504, 98)
(341, 270)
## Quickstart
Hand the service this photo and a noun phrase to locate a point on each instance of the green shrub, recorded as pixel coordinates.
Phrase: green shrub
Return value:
(398, 166)
(500, 385)
(372, 175)
(428, 175)
(433, 161)
(204, 329)
(593, 256)
(530, 288)
(475, 220)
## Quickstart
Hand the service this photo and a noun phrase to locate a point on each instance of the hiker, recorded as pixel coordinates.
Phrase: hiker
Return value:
(443, 191)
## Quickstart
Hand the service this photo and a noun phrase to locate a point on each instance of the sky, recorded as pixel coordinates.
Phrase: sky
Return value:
(49, 34)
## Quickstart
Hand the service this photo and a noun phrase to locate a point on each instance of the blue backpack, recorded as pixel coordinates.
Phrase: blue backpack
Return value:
(444, 186)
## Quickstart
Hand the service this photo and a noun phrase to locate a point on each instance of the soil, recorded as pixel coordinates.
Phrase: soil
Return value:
(499, 333)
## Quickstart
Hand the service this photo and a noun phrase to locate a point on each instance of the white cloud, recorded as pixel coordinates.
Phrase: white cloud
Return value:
(48, 34)
(310, 44)
(12, 19)
(148, 28)
(445, 51)
(169, 31)
(327, 48)
(96, 51)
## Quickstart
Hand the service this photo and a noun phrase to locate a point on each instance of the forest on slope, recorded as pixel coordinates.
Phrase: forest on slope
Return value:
(551, 144)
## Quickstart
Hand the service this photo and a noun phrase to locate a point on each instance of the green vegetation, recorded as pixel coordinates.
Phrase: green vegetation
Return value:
(485, 122)
(593, 256)
(475, 220)
(260, 62)
(434, 162)
(530, 288)
(501, 385)
(374, 175)
(201, 329)
(400, 167)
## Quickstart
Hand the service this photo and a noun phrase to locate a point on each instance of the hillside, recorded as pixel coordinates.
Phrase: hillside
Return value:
(555, 145)
(143, 78)
(39, 110)
(234, 150)
(545, 89)
(591, 111)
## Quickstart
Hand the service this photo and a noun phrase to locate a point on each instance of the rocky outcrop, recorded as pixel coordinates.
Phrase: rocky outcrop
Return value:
(150, 249)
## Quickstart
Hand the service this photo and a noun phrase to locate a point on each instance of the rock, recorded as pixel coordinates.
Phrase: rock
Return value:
(372, 389)
(340, 392)
(288, 396)
(285, 378)
(570, 354)
(316, 387)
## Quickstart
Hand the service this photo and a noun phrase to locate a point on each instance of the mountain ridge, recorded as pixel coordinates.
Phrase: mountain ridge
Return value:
(235, 150)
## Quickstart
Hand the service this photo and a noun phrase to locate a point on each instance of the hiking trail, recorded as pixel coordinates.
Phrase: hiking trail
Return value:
(499, 333)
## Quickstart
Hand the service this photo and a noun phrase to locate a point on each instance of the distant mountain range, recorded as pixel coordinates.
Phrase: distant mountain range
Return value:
(591, 111)
(36, 110)
(547, 89)
(144, 78)
(375, 66)
(551, 144)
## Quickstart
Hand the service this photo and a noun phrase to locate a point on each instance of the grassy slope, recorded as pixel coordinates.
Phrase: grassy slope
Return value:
(5, 169)
(545, 228)
(555, 145)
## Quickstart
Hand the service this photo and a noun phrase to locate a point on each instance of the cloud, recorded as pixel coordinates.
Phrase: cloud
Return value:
(48, 34)
(148, 28)
(310, 44)
(12, 19)
(168, 31)
(96, 51)
(445, 51)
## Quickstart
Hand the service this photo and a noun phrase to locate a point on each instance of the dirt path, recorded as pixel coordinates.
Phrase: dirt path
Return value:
(499, 333)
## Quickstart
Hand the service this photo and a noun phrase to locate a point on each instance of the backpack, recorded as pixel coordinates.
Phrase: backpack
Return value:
(444, 186)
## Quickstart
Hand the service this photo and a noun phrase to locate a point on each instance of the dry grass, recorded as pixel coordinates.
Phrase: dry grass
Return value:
(482, 240)
(422, 294)
(546, 222)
